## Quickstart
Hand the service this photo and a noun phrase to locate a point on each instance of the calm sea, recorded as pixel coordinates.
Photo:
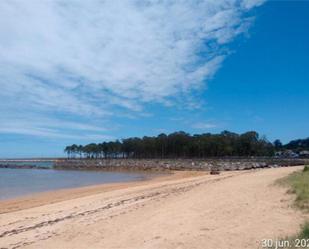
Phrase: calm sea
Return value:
(45, 164)
(19, 182)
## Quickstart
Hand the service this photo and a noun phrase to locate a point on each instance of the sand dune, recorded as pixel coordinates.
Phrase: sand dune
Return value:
(187, 210)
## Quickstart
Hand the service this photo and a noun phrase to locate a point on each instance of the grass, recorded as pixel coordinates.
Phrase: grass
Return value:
(305, 231)
(298, 184)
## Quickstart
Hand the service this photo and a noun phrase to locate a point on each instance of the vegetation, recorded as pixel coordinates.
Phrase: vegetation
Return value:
(295, 145)
(301, 240)
(299, 185)
(178, 145)
(298, 144)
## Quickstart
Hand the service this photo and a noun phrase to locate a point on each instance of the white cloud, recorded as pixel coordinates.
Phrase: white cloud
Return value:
(203, 126)
(52, 128)
(88, 57)
(252, 3)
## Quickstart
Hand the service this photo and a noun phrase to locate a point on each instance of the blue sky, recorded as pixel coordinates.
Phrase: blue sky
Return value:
(80, 72)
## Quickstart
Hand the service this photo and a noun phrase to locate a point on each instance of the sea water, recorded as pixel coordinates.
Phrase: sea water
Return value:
(20, 182)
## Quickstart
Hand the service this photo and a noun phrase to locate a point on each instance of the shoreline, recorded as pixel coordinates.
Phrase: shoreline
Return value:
(50, 197)
(181, 210)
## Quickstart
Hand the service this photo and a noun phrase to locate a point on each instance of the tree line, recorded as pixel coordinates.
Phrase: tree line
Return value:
(296, 145)
(177, 145)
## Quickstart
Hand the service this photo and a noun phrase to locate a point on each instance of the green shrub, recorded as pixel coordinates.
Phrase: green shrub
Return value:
(304, 234)
(298, 184)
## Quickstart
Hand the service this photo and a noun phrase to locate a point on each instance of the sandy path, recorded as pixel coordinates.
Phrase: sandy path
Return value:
(232, 210)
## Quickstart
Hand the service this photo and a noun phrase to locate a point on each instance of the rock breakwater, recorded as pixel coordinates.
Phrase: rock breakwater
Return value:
(175, 164)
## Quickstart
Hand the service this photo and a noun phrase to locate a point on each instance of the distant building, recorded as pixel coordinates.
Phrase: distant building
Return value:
(286, 154)
(304, 153)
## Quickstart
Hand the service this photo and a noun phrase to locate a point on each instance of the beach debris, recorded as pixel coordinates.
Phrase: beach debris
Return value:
(215, 170)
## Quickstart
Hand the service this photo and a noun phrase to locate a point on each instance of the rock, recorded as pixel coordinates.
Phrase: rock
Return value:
(176, 164)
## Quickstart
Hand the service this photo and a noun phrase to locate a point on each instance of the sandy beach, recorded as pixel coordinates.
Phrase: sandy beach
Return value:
(182, 210)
